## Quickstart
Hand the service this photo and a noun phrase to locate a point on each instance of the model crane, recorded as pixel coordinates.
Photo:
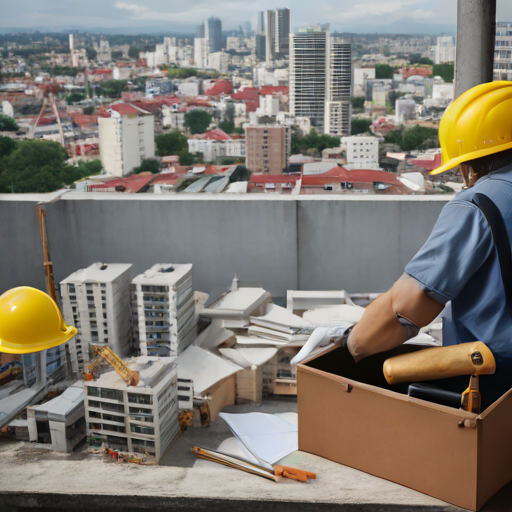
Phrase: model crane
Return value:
(131, 377)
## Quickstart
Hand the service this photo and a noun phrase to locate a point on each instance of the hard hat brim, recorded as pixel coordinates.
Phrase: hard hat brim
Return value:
(15, 348)
(454, 162)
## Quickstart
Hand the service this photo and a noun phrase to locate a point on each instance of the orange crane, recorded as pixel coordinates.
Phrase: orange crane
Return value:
(131, 377)
(49, 92)
(48, 265)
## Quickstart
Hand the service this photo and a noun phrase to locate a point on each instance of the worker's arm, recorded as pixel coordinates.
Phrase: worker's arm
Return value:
(380, 328)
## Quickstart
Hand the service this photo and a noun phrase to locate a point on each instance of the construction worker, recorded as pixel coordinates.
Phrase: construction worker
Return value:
(30, 321)
(458, 266)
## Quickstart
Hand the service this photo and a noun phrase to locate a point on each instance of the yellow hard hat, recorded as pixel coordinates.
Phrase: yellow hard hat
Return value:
(30, 321)
(478, 123)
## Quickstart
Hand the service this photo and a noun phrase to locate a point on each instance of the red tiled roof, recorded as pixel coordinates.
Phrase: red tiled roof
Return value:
(251, 97)
(216, 134)
(273, 178)
(428, 162)
(131, 184)
(271, 89)
(124, 109)
(219, 87)
(148, 106)
(421, 71)
(102, 72)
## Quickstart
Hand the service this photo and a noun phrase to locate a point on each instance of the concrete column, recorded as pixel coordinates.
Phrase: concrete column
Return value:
(476, 29)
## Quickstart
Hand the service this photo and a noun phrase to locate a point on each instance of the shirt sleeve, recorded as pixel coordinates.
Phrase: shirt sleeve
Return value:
(458, 246)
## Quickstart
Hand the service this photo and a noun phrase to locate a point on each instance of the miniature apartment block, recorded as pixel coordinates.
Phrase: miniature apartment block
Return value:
(142, 418)
(163, 308)
(59, 422)
(96, 300)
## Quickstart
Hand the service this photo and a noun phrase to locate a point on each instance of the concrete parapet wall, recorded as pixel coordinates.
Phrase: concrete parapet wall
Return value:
(359, 243)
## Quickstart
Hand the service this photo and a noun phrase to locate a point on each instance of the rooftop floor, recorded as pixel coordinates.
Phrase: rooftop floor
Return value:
(32, 478)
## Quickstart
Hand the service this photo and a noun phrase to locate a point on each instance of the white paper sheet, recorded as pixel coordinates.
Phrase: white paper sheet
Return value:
(267, 436)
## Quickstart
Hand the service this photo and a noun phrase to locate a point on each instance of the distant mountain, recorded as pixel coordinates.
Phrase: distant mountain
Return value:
(170, 28)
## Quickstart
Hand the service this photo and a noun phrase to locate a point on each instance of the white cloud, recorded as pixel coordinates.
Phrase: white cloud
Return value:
(137, 9)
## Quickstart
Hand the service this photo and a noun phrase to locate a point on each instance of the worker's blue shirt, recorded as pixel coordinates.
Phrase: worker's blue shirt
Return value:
(459, 263)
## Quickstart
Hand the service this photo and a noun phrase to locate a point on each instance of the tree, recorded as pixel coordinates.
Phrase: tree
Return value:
(91, 53)
(181, 72)
(148, 165)
(230, 112)
(417, 137)
(90, 168)
(445, 71)
(393, 96)
(7, 146)
(134, 52)
(360, 125)
(38, 166)
(8, 124)
(357, 102)
(227, 126)
(241, 173)
(313, 143)
(186, 158)
(172, 143)
(416, 58)
(383, 71)
(112, 88)
(75, 97)
(197, 121)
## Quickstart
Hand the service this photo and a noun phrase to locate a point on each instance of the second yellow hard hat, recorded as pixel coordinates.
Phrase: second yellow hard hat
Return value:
(31, 321)
(478, 123)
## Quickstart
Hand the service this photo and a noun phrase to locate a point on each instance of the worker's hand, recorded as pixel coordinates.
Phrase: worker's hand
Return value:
(380, 330)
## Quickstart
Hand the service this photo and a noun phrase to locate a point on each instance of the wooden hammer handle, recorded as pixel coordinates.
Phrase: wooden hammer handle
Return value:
(473, 358)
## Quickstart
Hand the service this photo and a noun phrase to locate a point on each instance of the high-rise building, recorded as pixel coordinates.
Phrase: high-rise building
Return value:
(164, 309)
(200, 52)
(142, 418)
(309, 72)
(321, 79)
(338, 108)
(277, 33)
(96, 300)
(219, 61)
(268, 148)
(282, 39)
(260, 27)
(125, 139)
(213, 32)
(200, 32)
(503, 51)
(260, 50)
(444, 51)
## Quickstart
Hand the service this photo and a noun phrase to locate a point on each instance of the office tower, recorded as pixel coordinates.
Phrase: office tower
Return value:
(277, 33)
(270, 34)
(260, 27)
(126, 138)
(164, 309)
(444, 51)
(260, 50)
(338, 108)
(503, 51)
(282, 31)
(96, 300)
(200, 52)
(309, 71)
(213, 32)
(200, 33)
(268, 148)
(142, 418)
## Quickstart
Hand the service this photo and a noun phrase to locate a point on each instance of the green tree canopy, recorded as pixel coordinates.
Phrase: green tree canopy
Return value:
(148, 165)
(8, 124)
(417, 137)
(445, 71)
(112, 88)
(39, 166)
(172, 143)
(416, 58)
(226, 126)
(313, 143)
(74, 97)
(357, 102)
(360, 125)
(133, 52)
(383, 71)
(197, 120)
(181, 72)
(91, 53)
(186, 158)
(230, 112)
(7, 146)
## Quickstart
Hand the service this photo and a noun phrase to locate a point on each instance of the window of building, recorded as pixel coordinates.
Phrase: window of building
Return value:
(94, 403)
(111, 417)
(92, 315)
(138, 398)
(112, 407)
(94, 414)
(95, 426)
(147, 418)
(142, 430)
(103, 285)
(72, 297)
(71, 288)
(112, 394)
(92, 391)
(114, 428)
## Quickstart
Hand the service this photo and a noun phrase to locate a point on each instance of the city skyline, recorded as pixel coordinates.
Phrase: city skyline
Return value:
(397, 16)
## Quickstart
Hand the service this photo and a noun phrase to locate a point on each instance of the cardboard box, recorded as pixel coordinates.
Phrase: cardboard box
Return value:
(348, 414)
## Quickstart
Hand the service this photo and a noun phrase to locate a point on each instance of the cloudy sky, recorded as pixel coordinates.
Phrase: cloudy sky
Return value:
(341, 14)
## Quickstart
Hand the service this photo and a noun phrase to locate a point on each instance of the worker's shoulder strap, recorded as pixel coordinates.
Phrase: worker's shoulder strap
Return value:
(500, 235)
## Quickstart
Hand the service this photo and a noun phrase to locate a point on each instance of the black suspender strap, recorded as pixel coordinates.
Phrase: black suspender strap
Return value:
(500, 235)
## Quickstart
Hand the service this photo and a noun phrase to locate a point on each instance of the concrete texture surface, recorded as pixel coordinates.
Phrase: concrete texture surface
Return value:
(359, 243)
(32, 478)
